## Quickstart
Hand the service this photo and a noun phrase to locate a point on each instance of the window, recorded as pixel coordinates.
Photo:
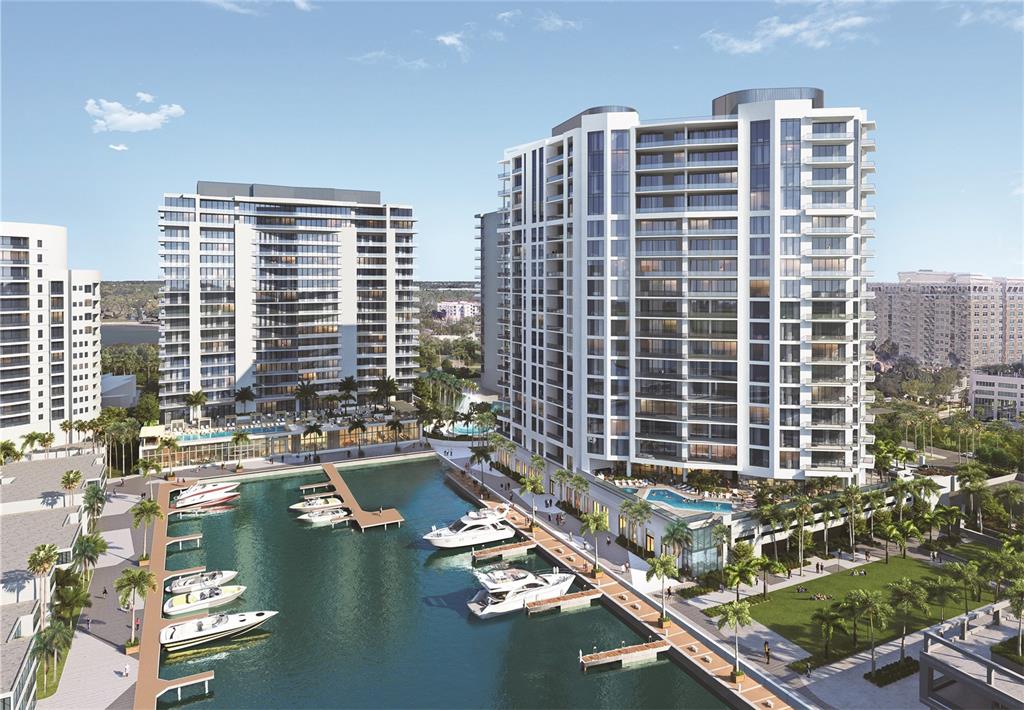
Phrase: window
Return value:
(595, 172)
(760, 165)
(790, 163)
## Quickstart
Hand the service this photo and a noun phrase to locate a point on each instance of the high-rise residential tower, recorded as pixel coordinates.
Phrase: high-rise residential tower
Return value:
(942, 319)
(49, 333)
(682, 294)
(487, 235)
(268, 286)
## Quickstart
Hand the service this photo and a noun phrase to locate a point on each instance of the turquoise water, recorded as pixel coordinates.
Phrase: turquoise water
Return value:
(379, 619)
(668, 497)
(228, 434)
(467, 430)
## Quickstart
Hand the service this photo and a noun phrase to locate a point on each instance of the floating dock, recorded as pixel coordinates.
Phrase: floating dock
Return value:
(625, 656)
(365, 519)
(567, 601)
(514, 549)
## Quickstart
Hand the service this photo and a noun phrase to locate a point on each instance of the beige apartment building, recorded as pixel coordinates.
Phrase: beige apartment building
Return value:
(941, 318)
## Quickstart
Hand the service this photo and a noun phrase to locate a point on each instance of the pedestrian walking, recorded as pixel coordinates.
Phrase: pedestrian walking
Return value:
(104, 591)
(767, 653)
(125, 670)
(137, 623)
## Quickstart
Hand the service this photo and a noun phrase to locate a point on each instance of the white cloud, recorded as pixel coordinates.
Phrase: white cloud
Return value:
(828, 23)
(509, 16)
(455, 40)
(114, 116)
(552, 22)
(118, 147)
(304, 5)
(1007, 14)
(144, 97)
(243, 7)
(1018, 191)
(381, 56)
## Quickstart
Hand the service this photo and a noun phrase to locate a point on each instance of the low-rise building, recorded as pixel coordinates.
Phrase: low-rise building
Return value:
(997, 392)
(119, 391)
(458, 310)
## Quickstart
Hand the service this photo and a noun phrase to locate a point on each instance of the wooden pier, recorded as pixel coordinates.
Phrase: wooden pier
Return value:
(181, 540)
(567, 601)
(365, 519)
(625, 656)
(514, 549)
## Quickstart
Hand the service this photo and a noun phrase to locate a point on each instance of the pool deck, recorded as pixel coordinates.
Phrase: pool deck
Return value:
(635, 610)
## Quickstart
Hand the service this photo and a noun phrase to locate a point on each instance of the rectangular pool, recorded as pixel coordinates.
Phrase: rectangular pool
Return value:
(673, 499)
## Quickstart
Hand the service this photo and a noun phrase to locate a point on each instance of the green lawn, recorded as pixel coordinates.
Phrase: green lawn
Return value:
(788, 613)
(970, 551)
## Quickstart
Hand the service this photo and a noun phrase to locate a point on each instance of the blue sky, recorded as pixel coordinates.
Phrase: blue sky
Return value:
(108, 105)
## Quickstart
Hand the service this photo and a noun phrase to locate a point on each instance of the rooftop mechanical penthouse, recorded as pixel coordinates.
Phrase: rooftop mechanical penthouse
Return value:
(690, 293)
(268, 286)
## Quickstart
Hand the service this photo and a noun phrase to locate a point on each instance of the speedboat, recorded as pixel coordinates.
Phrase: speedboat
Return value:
(474, 528)
(512, 594)
(311, 504)
(326, 517)
(503, 578)
(217, 498)
(202, 599)
(203, 580)
(197, 489)
(187, 634)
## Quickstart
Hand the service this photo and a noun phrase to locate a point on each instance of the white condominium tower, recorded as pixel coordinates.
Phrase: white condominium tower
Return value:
(266, 286)
(690, 293)
(49, 333)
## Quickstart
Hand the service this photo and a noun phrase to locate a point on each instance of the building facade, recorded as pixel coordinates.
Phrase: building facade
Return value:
(267, 286)
(487, 235)
(942, 319)
(997, 392)
(458, 310)
(690, 293)
(49, 333)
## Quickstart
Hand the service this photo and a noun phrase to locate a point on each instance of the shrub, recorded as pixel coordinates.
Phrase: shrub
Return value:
(691, 592)
(1008, 650)
(893, 672)
(717, 610)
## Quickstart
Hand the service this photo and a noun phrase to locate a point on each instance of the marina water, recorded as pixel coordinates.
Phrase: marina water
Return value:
(379, 619)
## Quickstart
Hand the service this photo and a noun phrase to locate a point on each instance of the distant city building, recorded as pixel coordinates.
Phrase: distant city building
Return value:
(120, 391)
(487, 225)
(457, 310)
(686, 294)
(941, 318)
(997, 392)
(49, 333)
(268, 286)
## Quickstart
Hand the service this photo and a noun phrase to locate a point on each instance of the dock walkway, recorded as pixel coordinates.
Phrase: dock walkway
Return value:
(636, 611)
(365, 519)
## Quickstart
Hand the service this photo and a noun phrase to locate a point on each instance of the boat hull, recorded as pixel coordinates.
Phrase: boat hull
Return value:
(179, 586)
(304, 508)
(481, 609)
(251, 621)
(176, 605)
(450, 542)
(208, 499)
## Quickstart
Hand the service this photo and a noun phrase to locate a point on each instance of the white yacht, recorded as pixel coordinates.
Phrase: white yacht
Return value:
(217, 498)
(506, 593)
(187, 634)
(311, 504)
(503, 578)
(326, 517)
(203, 580)
(197, 489)
(473, 528)
(203, 599)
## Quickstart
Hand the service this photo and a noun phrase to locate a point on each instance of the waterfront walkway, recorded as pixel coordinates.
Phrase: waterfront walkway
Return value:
(637, 610)
(364, 518)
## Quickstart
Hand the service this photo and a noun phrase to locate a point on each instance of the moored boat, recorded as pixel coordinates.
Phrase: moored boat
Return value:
(197, 489)
(211, 498)
(187, 634)
(318, 503)
(474, 528)
(326, 517)
(513, 594)
(203, 580)
(203, 599)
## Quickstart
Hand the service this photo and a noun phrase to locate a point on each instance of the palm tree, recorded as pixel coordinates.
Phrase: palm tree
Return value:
(768, 566)
(878, 612)
(829, 620)
(721, 536)
(316, 431)
(803, 510)
(195, 401)
(1011, 497)
(534, 485)
(305, 393)
(972, 478)
(29, 441)
(925, 488)
(46, 441)
(40, 562)
(9, 452)
(906, 597)
(580, 486)
(87, 551)
(852, 500)
(145, 513)
(899, 490)
(69, 481)
(347, 388)
(384, 389)
(948, 515)
(735, 615)
(594, 524)
(661, 567)
(926, 519)
(395, 426)
(637, 514)
(852, 606)
(966, 575)
(147, 468)
(901, 534)
(741, 572)
(561, 476)
(829, 512)
(942, 590)
(679, 537)
(82, 428)
(358, 427)
(876, 501)
(51, 641)
(245, 395)
(1016, 596)
(134, 582)
(69, 599)
(168, 443)
(768, 514)
(93, 501)
(537, 464)
(68, 427)
(1014, 544)
(478, 455)
(997, 566)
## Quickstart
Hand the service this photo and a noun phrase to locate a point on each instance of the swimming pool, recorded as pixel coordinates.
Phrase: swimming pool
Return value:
(671, 498)
(227, 434)
(468, 430)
